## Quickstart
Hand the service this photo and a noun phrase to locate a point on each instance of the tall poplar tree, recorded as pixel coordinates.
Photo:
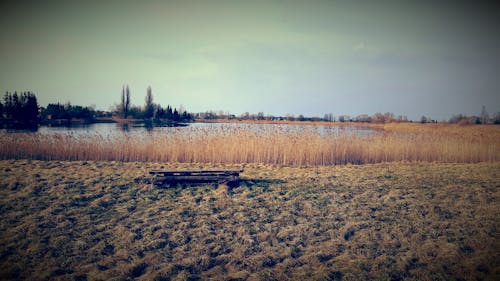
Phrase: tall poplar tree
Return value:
(149, 106)
(125, 104)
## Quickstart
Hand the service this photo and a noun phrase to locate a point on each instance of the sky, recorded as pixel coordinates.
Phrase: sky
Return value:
(412, 58)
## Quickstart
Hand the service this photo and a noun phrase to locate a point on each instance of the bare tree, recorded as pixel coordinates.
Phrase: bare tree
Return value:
(125, 103)
(181, 109)
(484, 115)
(149, 107)
(496, 118)
(122, 104)
(328, 117)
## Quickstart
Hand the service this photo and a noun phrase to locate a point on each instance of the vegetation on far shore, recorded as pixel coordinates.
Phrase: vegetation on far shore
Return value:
(102, 221)
(21, 111)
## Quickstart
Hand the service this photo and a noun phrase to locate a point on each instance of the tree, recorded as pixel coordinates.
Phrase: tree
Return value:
(122, 104)
(496, 118)
(6, 106)
(55, 111)
(176, 116)
(136, 112)
(363, 118)
(328, 117)
(484, 115)
(80, 112)
(20, 109)
(160, 113)
(456, 118)
(29, 108)
(181, 109)
(125, 104)
(169, 114)
(388, 117)
(149, 106)
(68, 111)
(383, 118)
(14, 113)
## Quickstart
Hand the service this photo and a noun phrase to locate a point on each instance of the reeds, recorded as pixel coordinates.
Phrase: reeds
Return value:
(270, 145)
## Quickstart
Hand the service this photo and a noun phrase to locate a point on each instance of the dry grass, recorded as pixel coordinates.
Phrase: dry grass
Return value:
(100, 221)
(270, 145)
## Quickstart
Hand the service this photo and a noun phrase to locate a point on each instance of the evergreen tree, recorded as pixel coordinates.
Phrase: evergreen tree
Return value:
(170, 114)
(15, 106)
(20, 109)
(8, 105)
(28, 108)
(160, 113)
(175, 115)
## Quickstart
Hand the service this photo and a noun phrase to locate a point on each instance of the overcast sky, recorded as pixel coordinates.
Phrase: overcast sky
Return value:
(411, 58)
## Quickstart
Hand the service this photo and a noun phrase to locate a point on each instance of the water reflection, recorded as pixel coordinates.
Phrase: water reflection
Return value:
(19, 129)
(148, 125)
(124, 127)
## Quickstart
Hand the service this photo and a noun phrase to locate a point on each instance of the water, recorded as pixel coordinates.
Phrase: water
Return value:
(129, 130)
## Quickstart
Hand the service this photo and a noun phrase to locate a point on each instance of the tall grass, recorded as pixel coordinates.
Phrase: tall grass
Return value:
(274, 145)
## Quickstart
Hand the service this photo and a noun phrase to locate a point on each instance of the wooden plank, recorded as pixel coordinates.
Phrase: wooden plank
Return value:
(170, 181)
(172, 177)
(201, 172)
(192, 179)
(194, 171)
(195, 174)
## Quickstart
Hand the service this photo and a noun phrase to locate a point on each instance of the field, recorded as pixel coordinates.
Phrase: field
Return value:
(101, 220)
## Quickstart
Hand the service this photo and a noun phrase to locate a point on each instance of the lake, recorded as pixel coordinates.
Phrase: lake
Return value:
(114, 129)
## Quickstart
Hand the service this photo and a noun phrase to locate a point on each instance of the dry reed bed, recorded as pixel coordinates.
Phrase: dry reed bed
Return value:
(272, 145)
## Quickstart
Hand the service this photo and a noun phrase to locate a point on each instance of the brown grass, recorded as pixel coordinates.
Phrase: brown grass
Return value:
(393, 221)
(274, 145)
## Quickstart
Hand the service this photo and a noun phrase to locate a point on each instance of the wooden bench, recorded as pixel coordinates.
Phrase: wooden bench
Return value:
(172, 178)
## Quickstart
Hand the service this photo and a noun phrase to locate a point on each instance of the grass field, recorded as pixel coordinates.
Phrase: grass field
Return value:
(390, 221)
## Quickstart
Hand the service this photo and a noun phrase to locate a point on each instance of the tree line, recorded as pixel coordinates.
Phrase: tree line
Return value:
(68, 112)
(378, 118)
(150, 111)
(21, 110)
